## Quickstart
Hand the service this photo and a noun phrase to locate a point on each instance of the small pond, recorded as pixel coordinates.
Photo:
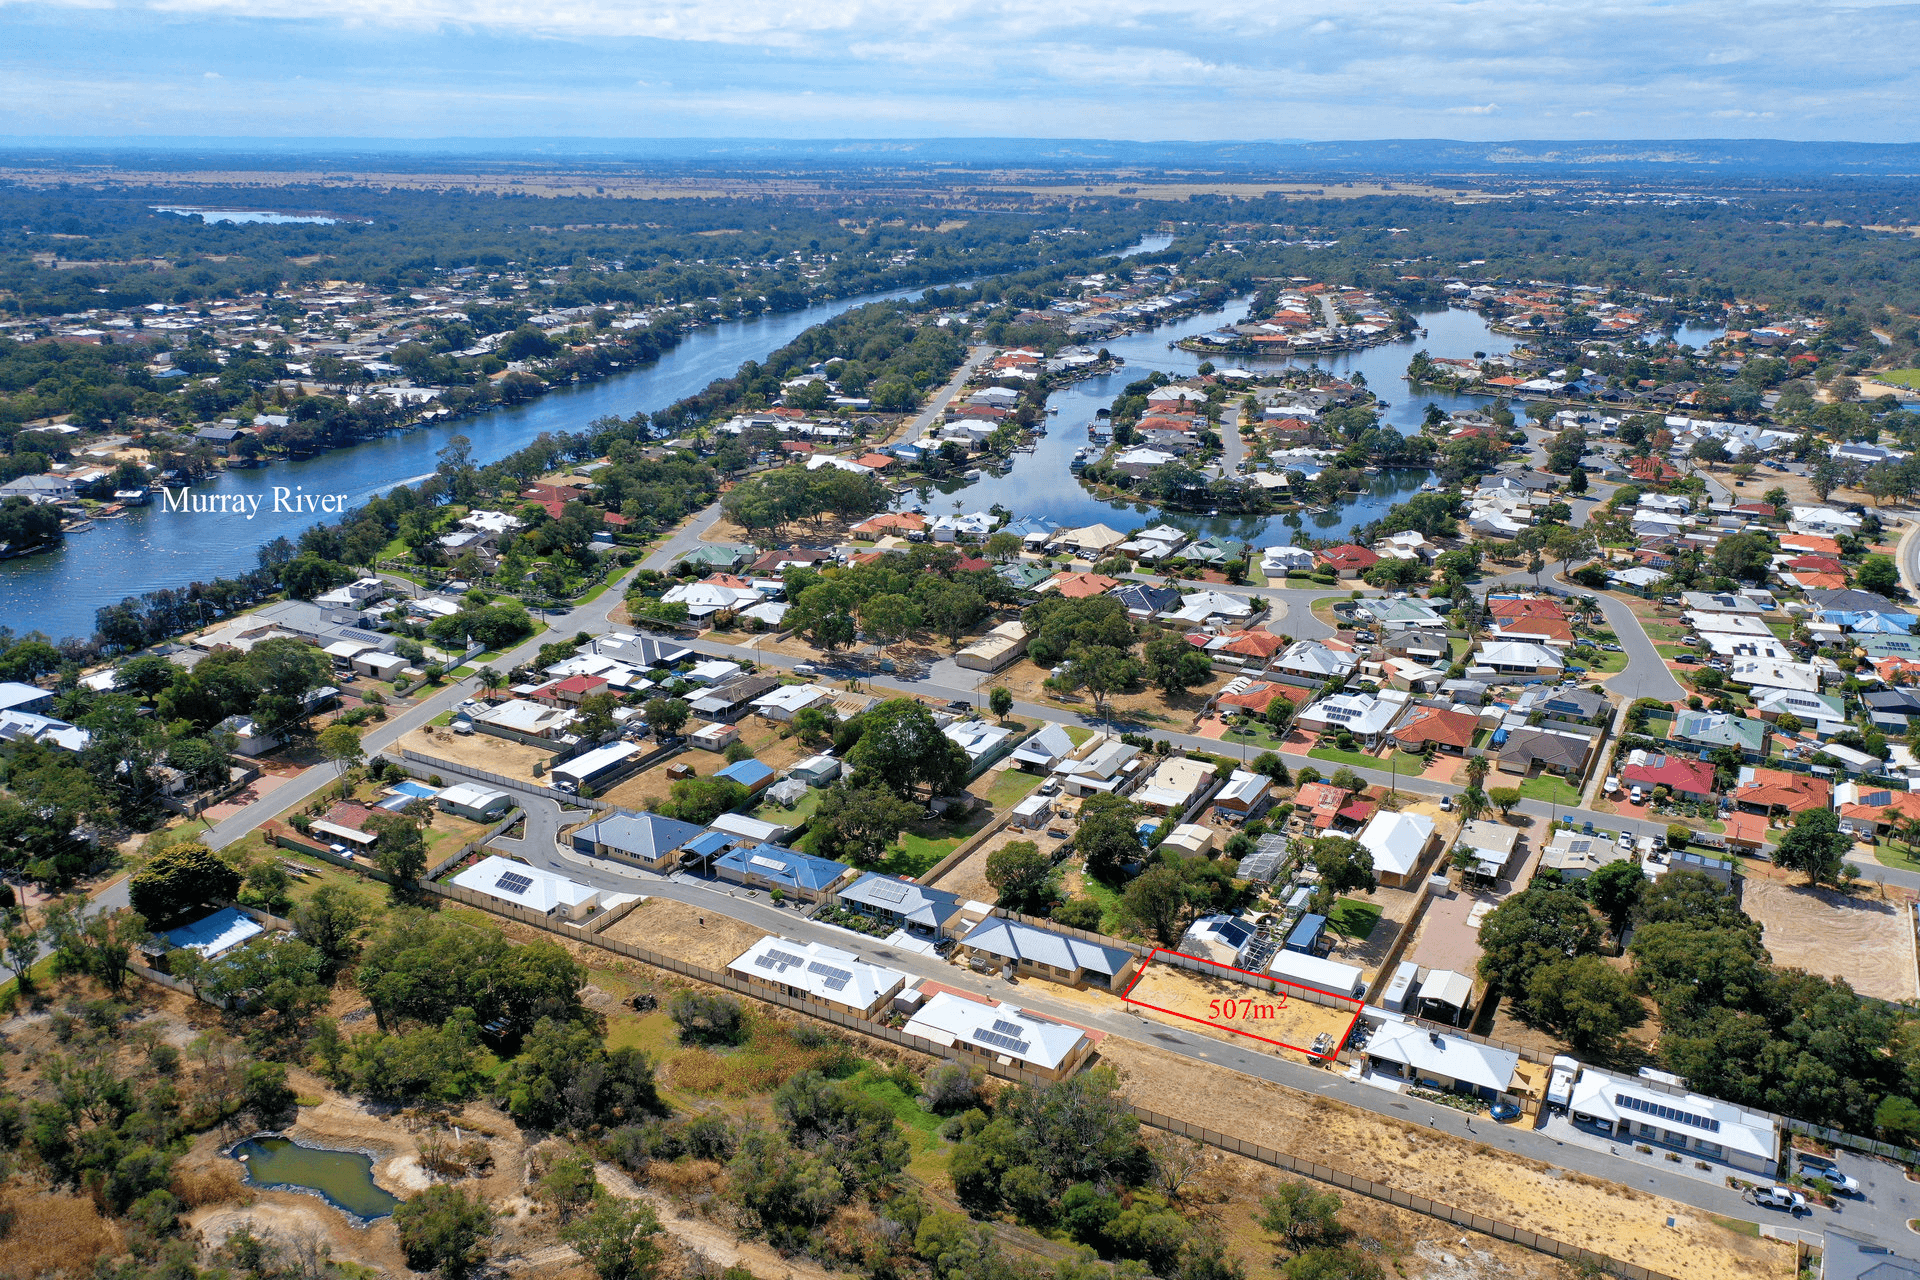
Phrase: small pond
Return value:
(345, 1178)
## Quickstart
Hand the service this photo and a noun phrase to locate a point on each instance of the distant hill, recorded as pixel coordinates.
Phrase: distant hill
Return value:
(1724, 156)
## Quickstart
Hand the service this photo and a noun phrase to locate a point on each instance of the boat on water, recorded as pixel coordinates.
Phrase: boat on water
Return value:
(972, 475)
(1429, 487)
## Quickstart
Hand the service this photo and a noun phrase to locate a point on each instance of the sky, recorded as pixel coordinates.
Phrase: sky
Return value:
(1136, 69)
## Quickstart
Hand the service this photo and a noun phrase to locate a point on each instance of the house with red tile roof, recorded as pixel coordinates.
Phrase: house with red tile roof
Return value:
(1525, 607)
(1348, 561)
(1321, 802)
(571, 691)
(1449, 730)
(1248, 644)
(1810, 544)
(1078, 586)
(899, 523)
(801, 447)
(877, 461)
(1746, 831)
(1260, 695)
(1688, 779)
(1652, 471)
(1818, 581)
(1815, 564)
(1871, 813)
(1777, 790)
(1540, 630)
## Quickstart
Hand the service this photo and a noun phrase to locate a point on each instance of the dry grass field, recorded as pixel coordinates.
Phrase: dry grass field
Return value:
(1229, 1010)
(477, 751)
(684, 932)
(1604, 1216)
(1864, 940)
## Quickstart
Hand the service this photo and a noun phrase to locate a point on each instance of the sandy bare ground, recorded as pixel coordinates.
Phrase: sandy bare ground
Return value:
(1224, 1009)
(477, 751)
(968, 878)
(1604, 1216)
(676, 929)
(1866, 941)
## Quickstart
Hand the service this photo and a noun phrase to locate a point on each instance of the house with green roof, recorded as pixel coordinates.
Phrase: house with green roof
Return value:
(1025, 574)
(717, 555)
(1711, 730)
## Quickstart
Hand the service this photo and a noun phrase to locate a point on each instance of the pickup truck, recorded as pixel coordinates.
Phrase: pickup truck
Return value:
(1780, 1198)
(1827, 1171)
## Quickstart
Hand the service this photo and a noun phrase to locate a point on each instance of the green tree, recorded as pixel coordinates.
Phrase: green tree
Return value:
(333, 922)
(340, 744)
(1878, 574)
(179, 879)
(701, 800)
(903, 749)
(1175, 666)
(1105, 838)
(814, 724)
(442, 1230)
(1504, 799)
(1159, 903)
(1300, 1214)
(667, 715)
(1343, 865)
(1542, 923)
(617, 1239)
(1024, 876)
(1584, 999)
(1616, 889)
(1000, 701)
(888, 618)
(400, 848)
(858, 824)
(1898, 1118)
(1815, 846)
(1341, 1262)
(565, 1078)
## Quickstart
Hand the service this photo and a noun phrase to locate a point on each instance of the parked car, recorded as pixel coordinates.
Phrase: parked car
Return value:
(1812, 1166)
(1446, 804)
(1050, 786)
(805, 669)
(1505, 1111)
(1780, 1198)
(1611, 785)
(959, 704)
(1611, 648)
(1365, 637)
(1686, 658)
(1625, 840)
(1639, 794)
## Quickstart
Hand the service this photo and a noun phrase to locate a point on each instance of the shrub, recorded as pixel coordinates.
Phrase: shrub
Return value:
(705, 1018)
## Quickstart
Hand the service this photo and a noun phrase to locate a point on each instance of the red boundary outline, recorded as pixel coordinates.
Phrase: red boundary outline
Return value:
(1127, 997)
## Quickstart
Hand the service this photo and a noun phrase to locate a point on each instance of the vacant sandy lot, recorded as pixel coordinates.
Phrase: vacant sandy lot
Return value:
(1598, 1215)
(477, 751)
(1225, 1008)
(1864, 940)
(652, 784)
(684, 932)
(968, 878)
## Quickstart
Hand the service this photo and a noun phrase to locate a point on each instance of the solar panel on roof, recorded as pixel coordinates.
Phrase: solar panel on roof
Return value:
(772, 864)
(513, 882)
(774, 958)
(995, 1038)
(1008, 1028)
(832, 977)
(888, 892)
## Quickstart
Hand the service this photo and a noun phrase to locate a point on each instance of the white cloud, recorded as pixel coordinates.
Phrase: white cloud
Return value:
(1486, 110)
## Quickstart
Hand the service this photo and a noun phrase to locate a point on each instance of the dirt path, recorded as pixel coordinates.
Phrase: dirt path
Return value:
(718, 1244)
(1861, 939)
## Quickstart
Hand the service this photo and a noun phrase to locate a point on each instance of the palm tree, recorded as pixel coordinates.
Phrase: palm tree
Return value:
(1907, 831)
(1476, 771)
(1472, 803)
(489, 679)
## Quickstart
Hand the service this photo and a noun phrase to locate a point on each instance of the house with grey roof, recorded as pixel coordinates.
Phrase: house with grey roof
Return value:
(1057, 957)
(905, 905)
(643, 839)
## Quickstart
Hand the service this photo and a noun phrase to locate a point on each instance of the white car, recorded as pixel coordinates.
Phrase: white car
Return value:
(1780, 1198)
(1638, 794)
(1610, 786)
(1625, 840)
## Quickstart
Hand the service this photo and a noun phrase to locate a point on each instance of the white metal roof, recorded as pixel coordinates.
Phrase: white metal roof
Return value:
(523, 885)
(1437, 1053)
(1395, 840)
(1002, 1030)
(1610, 1097)
(823, 972)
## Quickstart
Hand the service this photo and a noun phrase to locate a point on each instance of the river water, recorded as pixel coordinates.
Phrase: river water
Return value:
(1041, 484)
(58, 591)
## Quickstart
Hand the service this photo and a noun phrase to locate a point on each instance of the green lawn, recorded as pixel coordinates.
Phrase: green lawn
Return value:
(1604, 663)
(1889, 854)
(1901, 378)
(1671, 651)
(1353, 919)
(443, 719)
(1658, 631)
(1551, 788)
(1259, 736)
(1406, 763)
(771, 812)
(1109, 900)
(1011, 787)
(1079, 733)
(1353, 759)
(925, 843)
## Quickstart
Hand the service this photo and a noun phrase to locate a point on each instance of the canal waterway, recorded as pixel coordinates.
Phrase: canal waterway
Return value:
(1040, 483)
